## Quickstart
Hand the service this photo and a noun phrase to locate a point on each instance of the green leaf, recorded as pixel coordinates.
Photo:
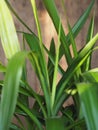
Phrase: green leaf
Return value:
(88, 93)
(2, 68)
(55, 123)
(87, 65)
(10, 89)
(37, 61)
(40, 59)
(78, 25)
(53, 94)
(14, 127)
(90, 76)
(8, 34)
(31, 93)
(73, 43)
(50, 64)
(80, 22)
(29, 113)
(52, 10)
(33, 42)
(77, 62)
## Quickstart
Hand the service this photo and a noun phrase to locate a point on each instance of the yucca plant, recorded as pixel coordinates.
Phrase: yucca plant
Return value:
(79, 81)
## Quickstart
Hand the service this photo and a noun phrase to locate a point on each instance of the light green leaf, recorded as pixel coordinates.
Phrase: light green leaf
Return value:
(10, 89)
(2, 68)
(8, 34)
(88, 93)
(91, 76)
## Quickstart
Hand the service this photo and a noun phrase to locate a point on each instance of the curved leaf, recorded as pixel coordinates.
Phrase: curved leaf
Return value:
(10, 89)
(91, 76)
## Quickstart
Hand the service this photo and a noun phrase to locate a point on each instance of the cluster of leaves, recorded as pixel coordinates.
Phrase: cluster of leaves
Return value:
(78, 80)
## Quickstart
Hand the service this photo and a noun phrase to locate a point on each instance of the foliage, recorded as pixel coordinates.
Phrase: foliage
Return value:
(78, 81)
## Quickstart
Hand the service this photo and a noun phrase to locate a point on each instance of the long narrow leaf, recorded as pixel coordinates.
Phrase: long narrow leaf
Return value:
(87, 65)
(42, 56)
(50, 64)
(8, 34)
(31, 116)
(78, 25)
(42, 63)
(88, 93)
(52, 10)
(56, 68)
(10, 89)
(34, 58)
(31, 93)
(37, 62)
(80, 22)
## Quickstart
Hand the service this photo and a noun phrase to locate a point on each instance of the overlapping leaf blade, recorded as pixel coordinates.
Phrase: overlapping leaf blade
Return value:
(37, 62)
(52, 10)
(77, 62)
(50, 6)
(32, 41)
(10, 89)
(31, 116)
(81, 21)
